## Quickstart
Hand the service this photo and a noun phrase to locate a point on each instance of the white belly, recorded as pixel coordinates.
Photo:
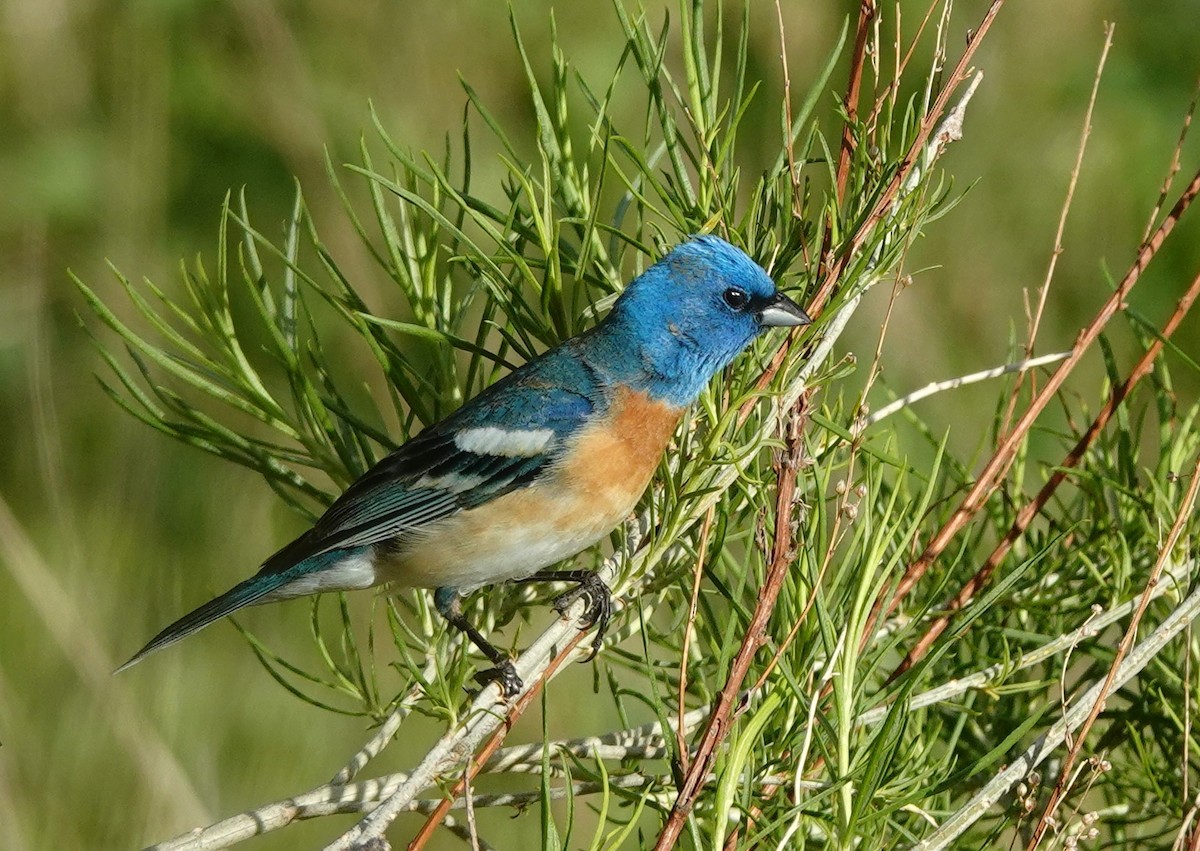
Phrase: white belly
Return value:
(592, 489)
(510, 538)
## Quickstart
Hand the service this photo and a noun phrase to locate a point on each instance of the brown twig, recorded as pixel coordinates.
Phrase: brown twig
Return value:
(1181, 518)
(782, 556)
(894, 87)
(832, 275)
(1035, 315)
(718, 726)
(793, 172)
(1173, 168)
(836, 535)
(835, 538)
(484, 753)
(992, 475)
(1036, 319)
(1034, 507)
(866, 14)
(930, 121)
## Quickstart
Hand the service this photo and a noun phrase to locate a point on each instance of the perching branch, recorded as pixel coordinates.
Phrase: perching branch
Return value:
(646, 741)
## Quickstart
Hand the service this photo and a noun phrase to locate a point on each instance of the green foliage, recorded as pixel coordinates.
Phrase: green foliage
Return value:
(243, 364)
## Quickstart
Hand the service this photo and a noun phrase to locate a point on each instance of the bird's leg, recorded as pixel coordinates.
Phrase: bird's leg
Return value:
(449, 604)
(591, 587)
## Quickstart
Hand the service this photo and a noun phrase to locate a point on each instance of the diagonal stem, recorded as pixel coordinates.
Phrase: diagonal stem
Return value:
(954, 826)
(1098, 700)
(993, 474)
(782, 556)
(1027, 514)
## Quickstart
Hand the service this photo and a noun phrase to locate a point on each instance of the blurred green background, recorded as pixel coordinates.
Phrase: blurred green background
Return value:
(123, 127)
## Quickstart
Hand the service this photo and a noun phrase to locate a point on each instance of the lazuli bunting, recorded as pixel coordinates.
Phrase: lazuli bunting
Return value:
(540, 465)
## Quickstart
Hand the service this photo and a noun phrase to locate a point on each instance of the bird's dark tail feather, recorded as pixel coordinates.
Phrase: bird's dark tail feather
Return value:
(244, 594)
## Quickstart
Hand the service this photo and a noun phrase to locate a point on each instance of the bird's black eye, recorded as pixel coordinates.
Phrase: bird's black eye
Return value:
(735, 298)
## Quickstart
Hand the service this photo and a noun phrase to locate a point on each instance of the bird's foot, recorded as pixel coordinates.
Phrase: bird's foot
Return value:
(505, 673)
(597, 607)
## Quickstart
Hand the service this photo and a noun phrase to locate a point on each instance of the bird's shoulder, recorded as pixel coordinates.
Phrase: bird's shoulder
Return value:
(560, 390)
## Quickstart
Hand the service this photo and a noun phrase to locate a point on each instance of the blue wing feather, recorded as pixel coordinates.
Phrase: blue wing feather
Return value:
(394, 498)
(400, 494)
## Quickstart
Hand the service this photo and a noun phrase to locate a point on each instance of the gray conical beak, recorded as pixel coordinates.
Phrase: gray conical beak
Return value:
(781, 312)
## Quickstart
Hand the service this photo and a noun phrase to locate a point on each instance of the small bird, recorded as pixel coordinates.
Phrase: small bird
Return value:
(537, 467)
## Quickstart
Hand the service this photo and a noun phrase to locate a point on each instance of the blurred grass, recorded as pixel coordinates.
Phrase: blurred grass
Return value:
(126, 124)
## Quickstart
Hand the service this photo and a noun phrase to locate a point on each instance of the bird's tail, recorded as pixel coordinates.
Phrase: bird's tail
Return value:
(243, 594)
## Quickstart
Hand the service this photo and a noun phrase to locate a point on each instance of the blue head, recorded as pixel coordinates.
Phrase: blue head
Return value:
(689, 315)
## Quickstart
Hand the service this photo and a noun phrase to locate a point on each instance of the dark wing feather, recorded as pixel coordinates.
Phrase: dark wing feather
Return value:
(432, 477)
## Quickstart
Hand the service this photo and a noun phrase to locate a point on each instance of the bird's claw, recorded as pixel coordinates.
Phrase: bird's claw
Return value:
(597, 607)
(505, 673)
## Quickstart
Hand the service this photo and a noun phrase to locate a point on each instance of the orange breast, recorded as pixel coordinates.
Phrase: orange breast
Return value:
(593, 488)
(620, 455)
